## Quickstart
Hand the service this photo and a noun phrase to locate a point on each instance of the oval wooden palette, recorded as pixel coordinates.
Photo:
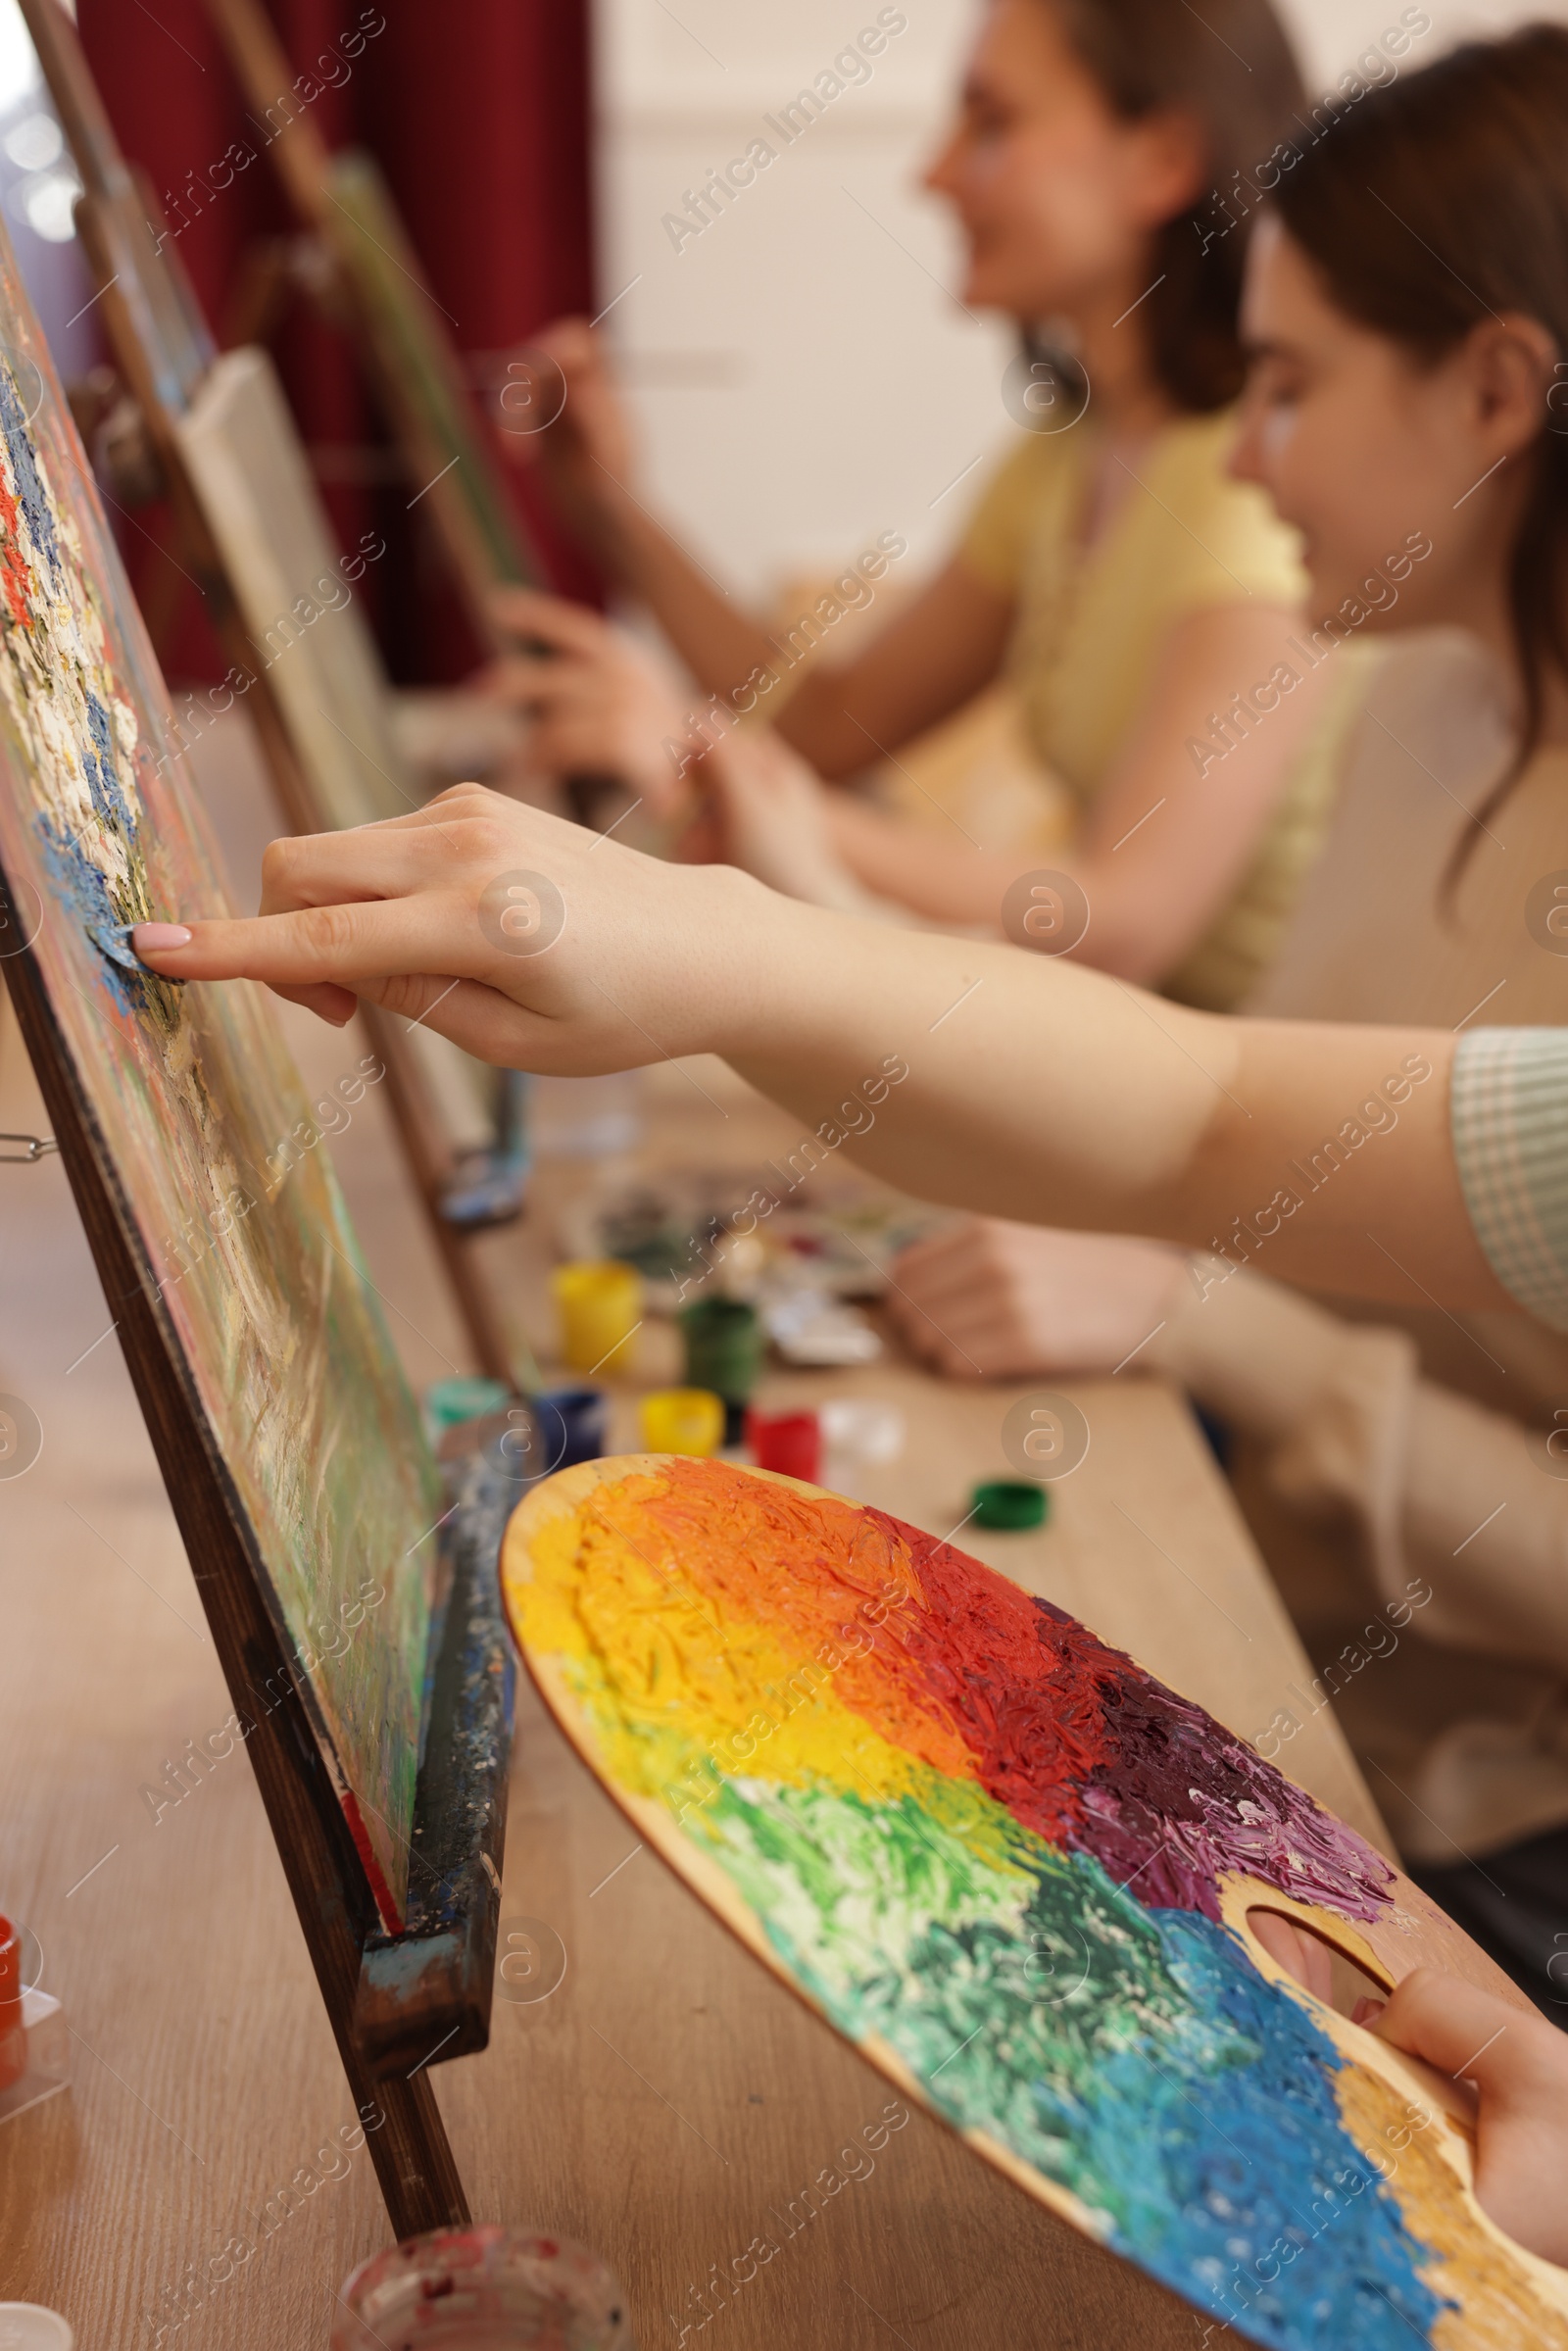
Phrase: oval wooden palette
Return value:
(1015, 1871)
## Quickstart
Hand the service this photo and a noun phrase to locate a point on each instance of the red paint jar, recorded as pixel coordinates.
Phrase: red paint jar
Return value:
(13, 2036)
(483, 2290)
(790, 1443)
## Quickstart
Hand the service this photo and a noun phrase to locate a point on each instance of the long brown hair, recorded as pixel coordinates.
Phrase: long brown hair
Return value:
(1439, 200)
(1232, 68)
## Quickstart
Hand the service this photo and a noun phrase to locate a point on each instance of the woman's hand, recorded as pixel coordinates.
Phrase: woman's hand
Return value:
(1519, 2066)
(527, 940)
(767, 813)
(1026, 1086)
(1514, 2062)
(585, 450)
(599, 704)
(1006, 1301)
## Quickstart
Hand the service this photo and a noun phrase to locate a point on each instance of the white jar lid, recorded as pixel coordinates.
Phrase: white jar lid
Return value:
(28, 2327)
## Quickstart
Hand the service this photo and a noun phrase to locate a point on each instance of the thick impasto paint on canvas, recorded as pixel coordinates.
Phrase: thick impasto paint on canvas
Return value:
(208, 1133)
(996, 1854)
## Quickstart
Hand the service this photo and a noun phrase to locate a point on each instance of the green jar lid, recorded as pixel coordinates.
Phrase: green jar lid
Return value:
(1009, 1506)
(448, 1403)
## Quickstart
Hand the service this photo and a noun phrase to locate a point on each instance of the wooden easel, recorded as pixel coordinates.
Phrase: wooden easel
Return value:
(343, 202)
(347, 209)
(165, 351)
(397, 2005)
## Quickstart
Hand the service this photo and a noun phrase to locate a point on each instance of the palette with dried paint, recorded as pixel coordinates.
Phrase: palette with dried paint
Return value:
(1016, 1871)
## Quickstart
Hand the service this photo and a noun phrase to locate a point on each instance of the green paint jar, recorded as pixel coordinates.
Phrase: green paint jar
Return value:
(1007, 1506)
(725, 1341)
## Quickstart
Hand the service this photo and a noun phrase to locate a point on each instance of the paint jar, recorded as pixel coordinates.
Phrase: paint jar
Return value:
(483, 2290)
(725, 1342)
(573, 1423)
(28, 2327)
(448, 1403)
(1007, 1506)
(13, 2032)
(790, 1443)
(862, 1428)
(599, 1305)
(683, 1420)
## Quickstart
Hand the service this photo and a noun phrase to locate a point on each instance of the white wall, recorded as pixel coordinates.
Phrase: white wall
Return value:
(801, 377)
(1328, 32)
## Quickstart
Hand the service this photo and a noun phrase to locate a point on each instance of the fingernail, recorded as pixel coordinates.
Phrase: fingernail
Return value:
(153, 937)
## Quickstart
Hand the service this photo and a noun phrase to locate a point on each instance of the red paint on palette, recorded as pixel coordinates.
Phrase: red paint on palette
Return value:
(956, 1664)
(1085, 1748)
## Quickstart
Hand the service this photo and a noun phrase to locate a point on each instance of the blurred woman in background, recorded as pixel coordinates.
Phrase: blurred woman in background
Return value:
(1127, 587)
(1409, 316)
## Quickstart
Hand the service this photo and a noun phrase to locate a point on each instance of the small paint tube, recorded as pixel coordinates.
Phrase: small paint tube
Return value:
(1008, 1506)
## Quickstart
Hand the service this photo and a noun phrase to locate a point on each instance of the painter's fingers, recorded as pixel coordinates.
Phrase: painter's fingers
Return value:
(334, 1005)
(935, 1254)
(526, 680)
(555, 621)
(1300, 1953)
(455, 846)
(541, 688)
(338, 945)
(1461, 2029)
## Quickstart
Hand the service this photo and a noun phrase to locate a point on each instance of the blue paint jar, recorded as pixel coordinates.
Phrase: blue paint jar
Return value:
(574, 1424)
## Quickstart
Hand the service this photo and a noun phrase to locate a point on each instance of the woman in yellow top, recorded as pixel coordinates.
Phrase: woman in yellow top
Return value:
(1104, 161)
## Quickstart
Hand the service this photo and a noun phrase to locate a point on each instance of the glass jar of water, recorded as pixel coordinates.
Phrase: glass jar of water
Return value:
(483, 2290)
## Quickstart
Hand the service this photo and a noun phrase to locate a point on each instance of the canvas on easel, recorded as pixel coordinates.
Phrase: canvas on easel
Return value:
(346, 1594)
(256, 536)
(344, 201)
(1019, 1874)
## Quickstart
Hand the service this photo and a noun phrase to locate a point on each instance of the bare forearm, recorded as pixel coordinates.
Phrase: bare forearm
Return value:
(1051, 1095)
(719, 642)
(938, 873)
(968, 1073)
(944, 877)
(726, 649)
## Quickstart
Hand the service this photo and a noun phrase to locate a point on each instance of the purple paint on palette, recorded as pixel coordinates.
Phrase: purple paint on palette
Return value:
(1086, 1748)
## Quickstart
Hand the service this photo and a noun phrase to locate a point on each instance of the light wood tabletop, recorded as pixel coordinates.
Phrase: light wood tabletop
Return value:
(666, 2100)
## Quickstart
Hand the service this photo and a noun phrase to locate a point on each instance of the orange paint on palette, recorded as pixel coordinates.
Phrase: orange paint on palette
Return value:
(843, 1576)
(965, 1672)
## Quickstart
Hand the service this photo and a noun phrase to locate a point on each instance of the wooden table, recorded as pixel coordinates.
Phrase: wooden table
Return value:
(668, 2099)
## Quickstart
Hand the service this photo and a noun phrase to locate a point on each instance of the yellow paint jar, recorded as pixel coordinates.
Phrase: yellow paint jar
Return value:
(683, 1420)
(599, 1307)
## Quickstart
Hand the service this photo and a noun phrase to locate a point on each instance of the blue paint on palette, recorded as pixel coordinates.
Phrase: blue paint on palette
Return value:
(1137, 2057)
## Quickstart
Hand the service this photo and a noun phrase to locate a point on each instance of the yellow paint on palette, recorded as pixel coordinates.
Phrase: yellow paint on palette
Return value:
(1477, 2268)
(676, 1683)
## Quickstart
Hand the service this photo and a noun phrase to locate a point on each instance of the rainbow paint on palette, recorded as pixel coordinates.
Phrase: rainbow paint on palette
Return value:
(1015, 1870)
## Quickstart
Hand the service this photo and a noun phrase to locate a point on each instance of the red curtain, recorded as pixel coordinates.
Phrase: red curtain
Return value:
(479, 117)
